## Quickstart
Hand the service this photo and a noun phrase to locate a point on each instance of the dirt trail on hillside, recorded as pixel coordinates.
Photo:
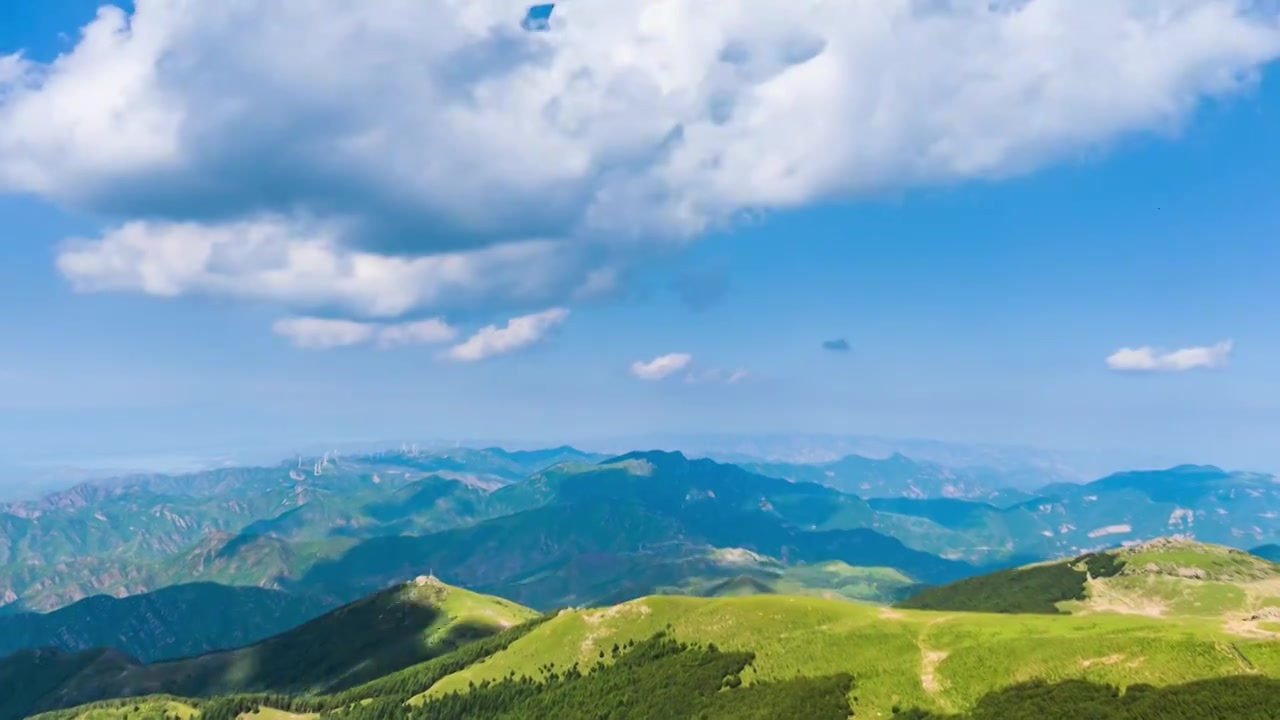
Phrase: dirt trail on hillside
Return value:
(598, 630)
(930, 660)
(1101, 597)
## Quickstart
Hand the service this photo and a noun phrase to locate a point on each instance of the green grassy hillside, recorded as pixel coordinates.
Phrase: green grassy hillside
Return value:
(753, 653)
(941, 662)
(663, 677)
(358, 642)
(1167, 577)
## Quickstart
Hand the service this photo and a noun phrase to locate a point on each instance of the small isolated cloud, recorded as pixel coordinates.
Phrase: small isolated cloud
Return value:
(324, 333)
(1149, 359)
(717, 375)
(313, 333)
(518, 333)
(837, 345)
(661, 367)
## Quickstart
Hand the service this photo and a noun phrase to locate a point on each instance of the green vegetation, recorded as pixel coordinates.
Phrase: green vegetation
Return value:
(1183, 558)
(153, 707)
(242, 525)
(930, 660)
(1164, 577)
(1238, 698)
(656, 678)
(573, 534)
(1031, 589)
(172, 622)
(832, 655)
(354, 644)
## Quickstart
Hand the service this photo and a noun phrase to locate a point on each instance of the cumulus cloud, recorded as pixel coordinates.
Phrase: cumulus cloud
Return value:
(517, 333)
(313, 333)
(1149, 359)
(305, 264)
(392, 156)
(661, 366)
(837, 345)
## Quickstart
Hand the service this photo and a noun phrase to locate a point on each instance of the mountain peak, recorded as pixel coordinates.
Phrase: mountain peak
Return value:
(1197, 469)
(655, 457)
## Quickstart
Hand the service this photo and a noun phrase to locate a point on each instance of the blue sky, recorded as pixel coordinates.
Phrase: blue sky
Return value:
(978, 307)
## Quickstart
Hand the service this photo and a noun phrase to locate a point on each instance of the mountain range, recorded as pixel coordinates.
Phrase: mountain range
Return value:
(1170, 628)
(550, 529)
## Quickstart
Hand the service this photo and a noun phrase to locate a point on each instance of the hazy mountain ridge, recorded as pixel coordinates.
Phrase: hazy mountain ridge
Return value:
(171, 622)
(67, 545)
(1232, 508)
(408, 493)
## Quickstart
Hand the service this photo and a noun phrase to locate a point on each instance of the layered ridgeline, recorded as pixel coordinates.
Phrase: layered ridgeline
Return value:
(899, 476)
(266, 526)
(141, 533)
(1230, 508)
(580, 531)
(135, 534)
(575, 533)
(778, 656)
(367, 639)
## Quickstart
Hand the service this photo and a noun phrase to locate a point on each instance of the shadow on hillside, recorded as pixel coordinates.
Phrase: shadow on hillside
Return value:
(172, 622)
(1243, 697)
(382, 630)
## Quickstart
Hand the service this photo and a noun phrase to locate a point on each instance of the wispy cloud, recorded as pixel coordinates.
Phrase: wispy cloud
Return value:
(667, 365)
(837, 345)
(662, 366)
(717, 375)
(423, 332)
(324, 333)
(1150, 359)
(314, 333)
(517, 333)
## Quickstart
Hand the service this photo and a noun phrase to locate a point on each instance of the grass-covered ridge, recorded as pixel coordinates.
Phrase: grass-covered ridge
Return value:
(1172, 576)
(359, 642)
(939, 662)
(1032, 589)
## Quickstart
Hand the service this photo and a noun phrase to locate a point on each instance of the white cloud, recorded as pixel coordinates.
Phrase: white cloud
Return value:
(717, 375)
(432, 331)
(390, 156)
(314, 333)
(661, 366)
(1149, 359)
(517, 333)
(324, 333)
(303, 264)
